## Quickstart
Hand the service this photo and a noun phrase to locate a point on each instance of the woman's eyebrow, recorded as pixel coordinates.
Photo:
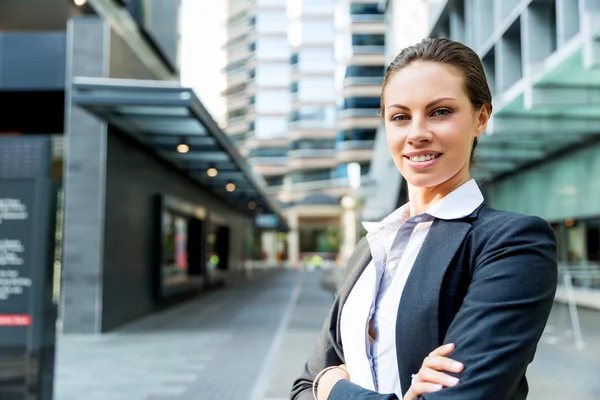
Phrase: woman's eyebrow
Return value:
(430, 104)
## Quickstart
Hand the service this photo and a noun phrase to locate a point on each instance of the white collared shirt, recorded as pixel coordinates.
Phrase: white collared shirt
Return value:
(374, 366)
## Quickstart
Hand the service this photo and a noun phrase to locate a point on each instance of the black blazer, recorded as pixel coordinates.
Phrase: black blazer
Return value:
(485, 282)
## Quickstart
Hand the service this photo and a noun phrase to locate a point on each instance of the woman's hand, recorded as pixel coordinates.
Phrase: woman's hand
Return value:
(329, 379)
(430, 379)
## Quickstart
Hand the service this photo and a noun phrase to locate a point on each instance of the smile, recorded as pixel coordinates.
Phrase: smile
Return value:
(424, 158)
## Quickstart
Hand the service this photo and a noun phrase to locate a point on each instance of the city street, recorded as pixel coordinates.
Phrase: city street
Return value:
(250, 341)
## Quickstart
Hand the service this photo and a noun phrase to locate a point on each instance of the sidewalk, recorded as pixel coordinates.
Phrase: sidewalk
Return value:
(245, 341)
(250, 341)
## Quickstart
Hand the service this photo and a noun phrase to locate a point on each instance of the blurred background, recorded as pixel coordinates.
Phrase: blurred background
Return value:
(183, 181)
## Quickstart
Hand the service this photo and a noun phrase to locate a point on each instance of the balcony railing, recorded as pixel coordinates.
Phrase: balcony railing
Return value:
(308, 124)
(355, 145)
(359, 112)
(365, 18)
(362, 49)
(363, 80)
(311, 153)
(267, 160)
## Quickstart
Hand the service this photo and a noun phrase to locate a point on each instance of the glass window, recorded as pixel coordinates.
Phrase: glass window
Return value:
(271, 127)
(268, 152)
(318, 32)
(273, 74)
(326, 114)
(317, 89)
(365, 71)
(310, 176)
(271, 22)
(356, 134)
(361, 102)
(316, 60)
(312, 144)
(364, 8)
(365, 39)
(273, 101)
(273, 48)
(274, 180)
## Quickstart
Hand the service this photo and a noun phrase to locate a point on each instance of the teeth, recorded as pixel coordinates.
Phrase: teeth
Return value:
(427, 157)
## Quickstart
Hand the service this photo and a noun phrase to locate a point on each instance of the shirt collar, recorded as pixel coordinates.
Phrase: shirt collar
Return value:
(459, 203)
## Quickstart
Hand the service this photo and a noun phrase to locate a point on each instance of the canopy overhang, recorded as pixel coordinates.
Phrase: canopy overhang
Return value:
(162, 115)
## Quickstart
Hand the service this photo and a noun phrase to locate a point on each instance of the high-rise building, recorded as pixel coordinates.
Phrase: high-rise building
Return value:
(539, 155)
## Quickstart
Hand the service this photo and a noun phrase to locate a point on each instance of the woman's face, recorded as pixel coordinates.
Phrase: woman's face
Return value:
(430, 124)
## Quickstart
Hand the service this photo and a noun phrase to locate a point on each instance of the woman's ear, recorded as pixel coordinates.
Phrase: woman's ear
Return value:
(483, 117)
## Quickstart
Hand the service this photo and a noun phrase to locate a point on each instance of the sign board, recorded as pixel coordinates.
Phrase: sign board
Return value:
(27, 312)
(267, 221)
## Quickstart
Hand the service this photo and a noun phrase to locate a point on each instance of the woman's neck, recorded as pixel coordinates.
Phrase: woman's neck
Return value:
(422, 198)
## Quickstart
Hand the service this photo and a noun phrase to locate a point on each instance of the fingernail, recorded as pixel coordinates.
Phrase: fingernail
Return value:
(449, 345)
(452, 381)
(457, 365)
(437, 387)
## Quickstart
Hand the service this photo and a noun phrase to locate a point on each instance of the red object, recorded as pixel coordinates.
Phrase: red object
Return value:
(15, 320)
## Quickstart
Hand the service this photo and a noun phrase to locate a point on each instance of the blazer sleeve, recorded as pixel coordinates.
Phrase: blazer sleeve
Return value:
(505, 310)
(326, 353)
(502, 317)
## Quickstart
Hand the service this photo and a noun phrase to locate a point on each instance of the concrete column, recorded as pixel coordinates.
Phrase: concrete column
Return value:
(269, 247)
(538, 30)
(348, 223)
(85, 178)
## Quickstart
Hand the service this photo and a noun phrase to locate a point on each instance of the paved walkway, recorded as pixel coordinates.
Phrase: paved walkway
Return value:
(250, 341)
(247, 341)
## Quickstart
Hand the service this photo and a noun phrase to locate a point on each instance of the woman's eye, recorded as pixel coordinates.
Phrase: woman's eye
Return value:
(441, 112)
(400, 117)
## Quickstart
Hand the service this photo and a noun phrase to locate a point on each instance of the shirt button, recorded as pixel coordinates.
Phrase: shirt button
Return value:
(393, 264)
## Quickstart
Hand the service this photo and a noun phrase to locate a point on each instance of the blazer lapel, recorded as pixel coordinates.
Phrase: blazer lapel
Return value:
(417, 322)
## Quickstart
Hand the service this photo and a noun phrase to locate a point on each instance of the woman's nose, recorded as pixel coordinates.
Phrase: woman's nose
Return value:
(419, 134)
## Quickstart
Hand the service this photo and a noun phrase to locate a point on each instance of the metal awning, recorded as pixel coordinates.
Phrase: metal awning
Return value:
(163, 115)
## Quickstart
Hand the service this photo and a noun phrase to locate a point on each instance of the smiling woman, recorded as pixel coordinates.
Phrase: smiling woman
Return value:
(444, 275)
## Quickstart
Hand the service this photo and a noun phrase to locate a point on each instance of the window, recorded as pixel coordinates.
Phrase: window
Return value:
(364, 8)
(368, 40)
(356, 134)
(313, 144)
(361, 102)
(317, 32)
(317, 89)
(270, 127)
(316, 60)
(274, 180)
(273, 74)
(325, 114)
(364, 71)
(268, 152)
(310, 176)
(271, 21)
(273, 48)
(273, 101)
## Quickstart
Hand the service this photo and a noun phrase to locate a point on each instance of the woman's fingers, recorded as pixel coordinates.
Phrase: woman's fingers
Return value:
(443, 350)
(440, 363)
(428, 375)
(419, 388)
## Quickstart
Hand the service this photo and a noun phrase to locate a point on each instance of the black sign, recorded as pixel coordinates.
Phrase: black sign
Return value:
(16, 230)
(27, 312)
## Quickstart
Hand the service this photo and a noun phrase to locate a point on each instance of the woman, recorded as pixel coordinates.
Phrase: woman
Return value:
(444, 275)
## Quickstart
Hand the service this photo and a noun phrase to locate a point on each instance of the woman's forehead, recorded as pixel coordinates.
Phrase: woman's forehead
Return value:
(425, 80)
